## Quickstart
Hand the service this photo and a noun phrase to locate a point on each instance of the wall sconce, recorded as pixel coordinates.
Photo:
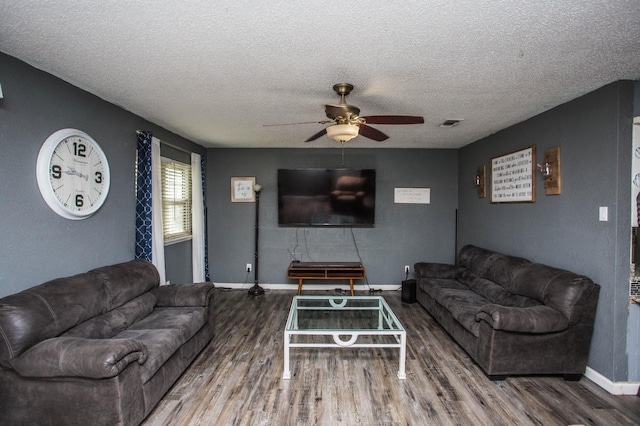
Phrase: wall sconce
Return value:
(480, 181)
(544, 169)
(551, 171)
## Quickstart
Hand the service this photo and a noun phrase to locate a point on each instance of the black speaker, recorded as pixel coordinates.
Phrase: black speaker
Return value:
(409, 291)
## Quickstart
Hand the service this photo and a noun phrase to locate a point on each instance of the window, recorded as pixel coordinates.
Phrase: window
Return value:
(176, 201)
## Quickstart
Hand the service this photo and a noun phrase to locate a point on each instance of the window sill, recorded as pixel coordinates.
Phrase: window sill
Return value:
(178, 240)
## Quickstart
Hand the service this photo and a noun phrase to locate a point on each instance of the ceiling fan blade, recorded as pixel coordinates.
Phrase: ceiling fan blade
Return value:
(301, 122)
(393, 119)
(317, 135)
(371, 133)
(341, 110)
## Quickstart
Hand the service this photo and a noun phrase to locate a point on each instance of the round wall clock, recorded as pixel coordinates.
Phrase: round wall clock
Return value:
(73, 174)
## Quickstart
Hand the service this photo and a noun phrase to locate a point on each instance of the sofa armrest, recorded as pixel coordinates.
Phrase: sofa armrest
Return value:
(79, 357)
(533, 319)
(434, 270)
(196, 294)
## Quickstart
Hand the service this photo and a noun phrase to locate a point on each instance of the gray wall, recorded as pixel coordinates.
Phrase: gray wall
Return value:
(594, 135)
(37, 244)
(403, 233)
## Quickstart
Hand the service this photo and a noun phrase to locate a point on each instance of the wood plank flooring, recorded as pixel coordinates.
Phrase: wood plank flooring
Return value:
(237, 380)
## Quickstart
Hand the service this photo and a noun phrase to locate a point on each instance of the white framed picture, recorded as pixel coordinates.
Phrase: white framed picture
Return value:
(242, 189)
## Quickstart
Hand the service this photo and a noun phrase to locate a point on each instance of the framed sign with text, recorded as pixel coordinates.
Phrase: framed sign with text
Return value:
(513, 177)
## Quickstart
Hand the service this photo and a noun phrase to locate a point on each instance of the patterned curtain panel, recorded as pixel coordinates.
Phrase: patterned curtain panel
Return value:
(143, 196)
(206, 243)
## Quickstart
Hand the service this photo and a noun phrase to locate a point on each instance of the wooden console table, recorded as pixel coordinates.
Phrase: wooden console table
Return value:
(326, 271)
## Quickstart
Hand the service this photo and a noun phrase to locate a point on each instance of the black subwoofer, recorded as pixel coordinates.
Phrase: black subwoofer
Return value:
(409, 291)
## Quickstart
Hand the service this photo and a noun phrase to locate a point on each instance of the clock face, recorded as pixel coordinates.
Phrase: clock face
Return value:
(73, 174)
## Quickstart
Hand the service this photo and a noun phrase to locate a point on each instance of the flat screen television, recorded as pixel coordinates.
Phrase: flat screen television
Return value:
(326, 197)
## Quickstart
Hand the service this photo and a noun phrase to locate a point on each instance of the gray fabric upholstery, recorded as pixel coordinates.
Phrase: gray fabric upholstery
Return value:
(98, 348)
(511, 315)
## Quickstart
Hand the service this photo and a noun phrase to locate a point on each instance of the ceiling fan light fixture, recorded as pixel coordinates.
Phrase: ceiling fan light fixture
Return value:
(342, 132)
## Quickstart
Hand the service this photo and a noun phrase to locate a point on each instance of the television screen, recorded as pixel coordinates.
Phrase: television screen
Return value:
(326, 197)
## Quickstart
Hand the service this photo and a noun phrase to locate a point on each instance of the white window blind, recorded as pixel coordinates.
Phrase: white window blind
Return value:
(176, 200)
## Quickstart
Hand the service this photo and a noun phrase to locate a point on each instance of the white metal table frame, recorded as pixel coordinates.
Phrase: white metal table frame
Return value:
(385, 317)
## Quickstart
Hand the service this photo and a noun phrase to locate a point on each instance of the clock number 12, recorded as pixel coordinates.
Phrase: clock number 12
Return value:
(79, 149)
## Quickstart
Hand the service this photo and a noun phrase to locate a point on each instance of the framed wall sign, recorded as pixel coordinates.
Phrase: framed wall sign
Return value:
(412, 195)
(513, 177)
(242, 189)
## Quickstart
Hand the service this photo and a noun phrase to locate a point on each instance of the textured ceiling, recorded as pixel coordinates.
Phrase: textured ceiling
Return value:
(215, 72)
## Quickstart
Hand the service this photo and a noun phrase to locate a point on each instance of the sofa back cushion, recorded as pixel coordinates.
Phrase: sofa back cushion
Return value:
(47, 310)
(569, 293)
(113, 322)
(501, 268)
(492, 291)
(50, 309)
(497, 267)
(473, 258)
(125, 281)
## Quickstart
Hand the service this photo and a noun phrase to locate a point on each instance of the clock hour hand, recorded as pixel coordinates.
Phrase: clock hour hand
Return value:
(72, 172)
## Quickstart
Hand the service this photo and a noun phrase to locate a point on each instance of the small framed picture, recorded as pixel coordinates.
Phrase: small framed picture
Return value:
(242, 189)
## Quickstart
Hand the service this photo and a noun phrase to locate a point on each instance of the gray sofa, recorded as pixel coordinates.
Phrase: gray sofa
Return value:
(98, 348)
(512, 316)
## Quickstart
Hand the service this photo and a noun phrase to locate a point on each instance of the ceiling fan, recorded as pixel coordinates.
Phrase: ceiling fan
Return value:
(347, 122)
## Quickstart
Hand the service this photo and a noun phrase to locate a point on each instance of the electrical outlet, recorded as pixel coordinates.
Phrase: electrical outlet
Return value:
(248, 267)
(406, 269)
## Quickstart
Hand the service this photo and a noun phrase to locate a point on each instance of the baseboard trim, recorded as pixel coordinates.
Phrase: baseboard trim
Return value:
(312, 286)
(614, 388)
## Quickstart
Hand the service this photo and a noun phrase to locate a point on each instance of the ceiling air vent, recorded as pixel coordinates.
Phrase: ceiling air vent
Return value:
(450, 123)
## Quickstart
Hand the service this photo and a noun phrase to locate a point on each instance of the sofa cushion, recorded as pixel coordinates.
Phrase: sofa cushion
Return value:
(534, 319)
(557, 288)
(434, 270)
(492, 291)
(473, 258)
(113, 322)
(460, 301)
(125, 281)
(47, 310)
(196, 294)
(160, 345)
(78, 357)
(501, 268)
(163, 332)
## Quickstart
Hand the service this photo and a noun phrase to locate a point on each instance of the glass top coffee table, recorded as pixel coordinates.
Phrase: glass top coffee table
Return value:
(343, 322)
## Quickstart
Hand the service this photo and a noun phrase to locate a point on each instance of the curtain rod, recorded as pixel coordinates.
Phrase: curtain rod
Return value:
(138, 132)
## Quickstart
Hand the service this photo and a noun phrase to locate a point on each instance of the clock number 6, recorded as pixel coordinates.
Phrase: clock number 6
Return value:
(79, 200)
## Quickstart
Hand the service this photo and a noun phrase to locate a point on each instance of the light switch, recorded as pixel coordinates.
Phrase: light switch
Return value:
(604, 214)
